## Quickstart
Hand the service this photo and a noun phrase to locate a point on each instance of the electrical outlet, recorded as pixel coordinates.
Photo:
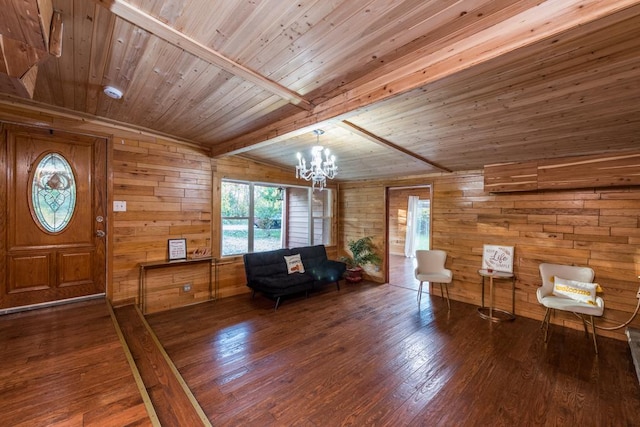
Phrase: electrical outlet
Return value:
(186, 288)
(119, 206)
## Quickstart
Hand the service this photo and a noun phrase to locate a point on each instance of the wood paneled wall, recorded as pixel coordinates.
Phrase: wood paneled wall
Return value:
(361, 213)
(596, 171)
(398, 204)
(167, 187)
(596, 228)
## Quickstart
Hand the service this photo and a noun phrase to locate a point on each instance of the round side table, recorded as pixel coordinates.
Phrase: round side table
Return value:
(491, 312)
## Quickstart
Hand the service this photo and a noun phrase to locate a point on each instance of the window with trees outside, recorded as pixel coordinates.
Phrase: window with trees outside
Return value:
(259, 217)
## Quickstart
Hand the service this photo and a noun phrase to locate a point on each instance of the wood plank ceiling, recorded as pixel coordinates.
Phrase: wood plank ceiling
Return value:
(399, 87)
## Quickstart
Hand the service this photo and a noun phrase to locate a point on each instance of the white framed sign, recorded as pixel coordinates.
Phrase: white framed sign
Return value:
(497, 258)
(177, 249)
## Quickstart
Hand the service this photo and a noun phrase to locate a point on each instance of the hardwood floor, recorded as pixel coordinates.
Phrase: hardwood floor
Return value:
(172, 402)
(65, 366)
(365, 355)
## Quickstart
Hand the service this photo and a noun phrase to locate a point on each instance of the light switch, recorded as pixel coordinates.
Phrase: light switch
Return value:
(119, 206)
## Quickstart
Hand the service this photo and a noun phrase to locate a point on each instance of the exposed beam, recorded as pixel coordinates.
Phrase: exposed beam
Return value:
(352, 127)
(169, 34)
(545, 20)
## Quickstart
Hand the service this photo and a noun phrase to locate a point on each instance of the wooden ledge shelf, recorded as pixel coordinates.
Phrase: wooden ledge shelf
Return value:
(604, 170)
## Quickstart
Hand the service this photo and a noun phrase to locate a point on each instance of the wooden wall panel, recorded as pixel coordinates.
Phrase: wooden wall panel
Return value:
(361, 213)
(597, 171)
(167, 187)
(593, 227)
(164, 287)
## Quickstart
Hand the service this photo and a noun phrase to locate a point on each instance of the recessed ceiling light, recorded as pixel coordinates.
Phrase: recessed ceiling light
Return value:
(112, 92)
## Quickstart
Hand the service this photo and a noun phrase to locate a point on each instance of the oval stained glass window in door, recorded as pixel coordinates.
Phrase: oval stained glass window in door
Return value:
(53, 193)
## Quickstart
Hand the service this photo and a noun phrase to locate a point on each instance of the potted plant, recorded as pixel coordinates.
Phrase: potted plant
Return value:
(363, 253)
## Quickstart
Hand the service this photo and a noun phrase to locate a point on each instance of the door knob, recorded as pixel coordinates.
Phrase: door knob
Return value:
(100, 233)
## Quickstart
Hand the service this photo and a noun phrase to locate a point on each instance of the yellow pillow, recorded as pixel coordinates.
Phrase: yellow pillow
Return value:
(579, 291)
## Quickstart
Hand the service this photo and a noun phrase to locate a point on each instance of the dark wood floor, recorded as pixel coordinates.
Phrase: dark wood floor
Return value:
(65, 366)
(366, 355)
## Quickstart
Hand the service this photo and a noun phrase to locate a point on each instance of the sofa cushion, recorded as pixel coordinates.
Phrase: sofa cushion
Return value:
(312, 256)
(265, 264)
(329, 271)
(280, 282)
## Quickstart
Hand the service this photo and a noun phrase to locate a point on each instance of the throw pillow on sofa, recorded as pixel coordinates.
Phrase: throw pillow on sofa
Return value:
(294, 264)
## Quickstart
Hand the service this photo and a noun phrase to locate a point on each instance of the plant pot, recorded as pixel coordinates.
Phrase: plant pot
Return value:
(354, 274)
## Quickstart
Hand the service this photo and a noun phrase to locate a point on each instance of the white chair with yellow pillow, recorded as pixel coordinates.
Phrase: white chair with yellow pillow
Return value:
(569, 288)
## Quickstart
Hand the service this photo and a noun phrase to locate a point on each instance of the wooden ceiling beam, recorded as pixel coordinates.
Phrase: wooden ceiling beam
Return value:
(169, 34)
(545, 20)
(352, 127)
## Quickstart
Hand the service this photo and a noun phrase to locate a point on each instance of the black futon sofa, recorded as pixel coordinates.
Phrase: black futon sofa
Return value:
(267, 272)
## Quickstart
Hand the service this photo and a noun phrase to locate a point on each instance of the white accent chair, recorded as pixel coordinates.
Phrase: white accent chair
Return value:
(552, 302)
(431, 269)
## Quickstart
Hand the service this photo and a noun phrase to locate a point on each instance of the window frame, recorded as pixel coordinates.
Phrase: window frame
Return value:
(285, 216)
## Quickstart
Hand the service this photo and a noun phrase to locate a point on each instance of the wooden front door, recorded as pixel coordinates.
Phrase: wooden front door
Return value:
(54, 220)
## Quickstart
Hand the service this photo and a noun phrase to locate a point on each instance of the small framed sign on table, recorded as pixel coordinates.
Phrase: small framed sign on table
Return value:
(177, 249)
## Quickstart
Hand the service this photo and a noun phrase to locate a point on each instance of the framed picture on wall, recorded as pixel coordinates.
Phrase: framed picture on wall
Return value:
(177, 249)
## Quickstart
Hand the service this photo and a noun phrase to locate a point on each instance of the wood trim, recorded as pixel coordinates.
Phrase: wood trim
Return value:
(169, 34)
(352, 127)
(153, 416)
(598, 171)
(55, 42)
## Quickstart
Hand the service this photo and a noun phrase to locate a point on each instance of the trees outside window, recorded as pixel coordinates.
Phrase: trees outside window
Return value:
(235, 208)
(261, 217)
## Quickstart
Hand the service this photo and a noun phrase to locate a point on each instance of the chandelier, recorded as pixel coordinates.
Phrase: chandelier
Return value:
(319, 170)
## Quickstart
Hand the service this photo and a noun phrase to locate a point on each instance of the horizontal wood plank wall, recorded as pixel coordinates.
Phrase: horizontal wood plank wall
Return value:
(398, 204)
(167, 187)
(596, 228)
(361, 213)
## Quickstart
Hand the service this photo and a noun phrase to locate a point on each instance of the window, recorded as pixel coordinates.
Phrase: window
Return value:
(322, 217)
(235, 206)
(53, 193)
(260, 217)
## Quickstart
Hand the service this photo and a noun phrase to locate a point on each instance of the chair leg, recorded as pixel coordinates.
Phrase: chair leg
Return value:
(442, 295)
(448, 303)
(419, 293)
(584, 324)
(277, 304)
(545, 322)
(338, 284)
(593, 328)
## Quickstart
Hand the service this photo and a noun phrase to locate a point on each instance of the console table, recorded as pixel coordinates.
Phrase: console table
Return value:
(490, 312)
(144, 266)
